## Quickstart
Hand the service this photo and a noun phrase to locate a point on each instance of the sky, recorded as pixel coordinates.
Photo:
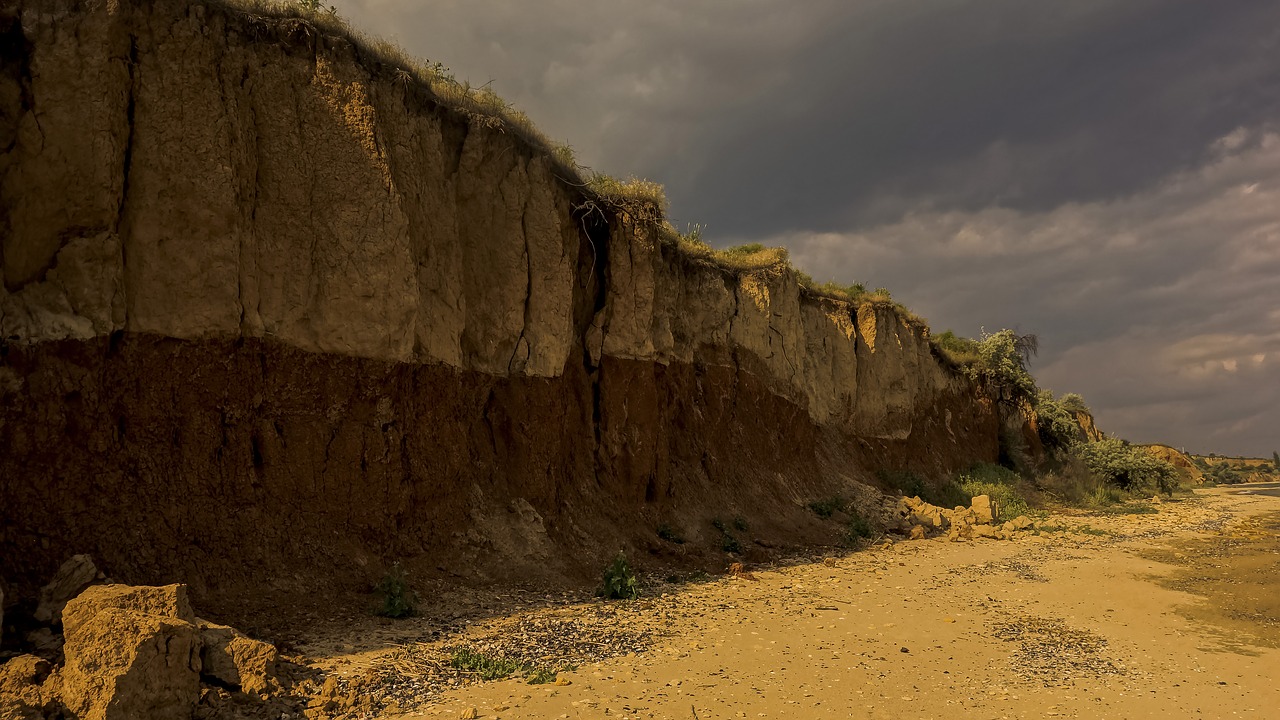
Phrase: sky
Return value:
(1104, 174)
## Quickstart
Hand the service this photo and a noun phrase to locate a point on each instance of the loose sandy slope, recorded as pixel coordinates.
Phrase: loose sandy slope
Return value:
(1065, 624)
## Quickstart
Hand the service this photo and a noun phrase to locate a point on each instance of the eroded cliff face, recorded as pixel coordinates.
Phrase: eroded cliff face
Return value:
(272, 312)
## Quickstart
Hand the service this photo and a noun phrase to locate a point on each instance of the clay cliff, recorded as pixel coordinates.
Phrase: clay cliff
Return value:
(274, 316)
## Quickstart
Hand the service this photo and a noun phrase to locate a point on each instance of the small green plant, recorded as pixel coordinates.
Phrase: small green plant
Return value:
(486, 666)
(396, 598)
(540, 676)
(492, 667)
(739, 523)
(1104, 495)
(668, 533)
(620, 582)
(828, 507)
(728, 543)
(857, 529)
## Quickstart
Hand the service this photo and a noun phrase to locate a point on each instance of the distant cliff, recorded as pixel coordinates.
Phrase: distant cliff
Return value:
(274, 315)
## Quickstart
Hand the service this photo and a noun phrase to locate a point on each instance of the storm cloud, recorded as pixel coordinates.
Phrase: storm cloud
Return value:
(1105, 174)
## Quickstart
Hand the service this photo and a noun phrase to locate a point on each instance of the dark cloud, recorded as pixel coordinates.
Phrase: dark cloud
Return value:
(1105, 174)
(1162, 307)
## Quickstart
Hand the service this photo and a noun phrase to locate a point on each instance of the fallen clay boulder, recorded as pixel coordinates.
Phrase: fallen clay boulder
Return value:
(984, 508)
(74, 576)
(235, 661)
(27, 689)
(131, 652)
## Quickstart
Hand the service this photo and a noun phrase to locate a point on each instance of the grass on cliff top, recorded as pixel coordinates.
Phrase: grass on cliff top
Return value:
(480, 105)
(643, 200)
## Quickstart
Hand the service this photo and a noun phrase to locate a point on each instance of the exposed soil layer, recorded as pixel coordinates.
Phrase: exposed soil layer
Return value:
(246, 467)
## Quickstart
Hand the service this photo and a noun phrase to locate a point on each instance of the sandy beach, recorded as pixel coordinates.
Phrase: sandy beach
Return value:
(1165, 614)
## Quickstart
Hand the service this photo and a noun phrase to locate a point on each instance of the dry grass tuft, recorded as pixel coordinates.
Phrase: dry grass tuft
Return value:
(480, 105)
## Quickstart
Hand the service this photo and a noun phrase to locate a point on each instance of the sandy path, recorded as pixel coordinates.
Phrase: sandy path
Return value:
(1065, 625)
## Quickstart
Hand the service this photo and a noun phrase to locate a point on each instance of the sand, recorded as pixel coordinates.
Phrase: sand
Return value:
(1118, 618)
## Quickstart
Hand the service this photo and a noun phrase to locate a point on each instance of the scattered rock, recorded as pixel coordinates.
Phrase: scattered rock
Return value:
(237, 661)
(470, 714)
(131, 652)
(1022, 522)
(917, 532)
(74, 576)
(984, 531)
(166, 601)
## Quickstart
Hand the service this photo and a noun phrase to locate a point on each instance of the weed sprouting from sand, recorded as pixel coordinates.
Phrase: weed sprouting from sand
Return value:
(490, 667)
(620, 582)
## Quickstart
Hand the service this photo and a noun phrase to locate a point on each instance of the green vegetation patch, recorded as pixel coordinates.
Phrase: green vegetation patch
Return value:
(619, 581)
(494, 667)
(395, 598)
(728, 542)
(1001, 485)
(828, 507)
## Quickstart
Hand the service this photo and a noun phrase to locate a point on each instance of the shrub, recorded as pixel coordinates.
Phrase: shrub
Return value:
(396, 598)
(739, 523)
(961, 352)
(1002, 361)
(728, 542)
(668, 533)
(1116, 462)
(1073, 402)
(826, 508)
(857, 529)
(1000, 484)
(1056, 424)
(620, 582)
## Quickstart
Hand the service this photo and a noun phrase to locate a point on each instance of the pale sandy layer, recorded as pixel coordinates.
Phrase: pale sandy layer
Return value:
(1065, 625)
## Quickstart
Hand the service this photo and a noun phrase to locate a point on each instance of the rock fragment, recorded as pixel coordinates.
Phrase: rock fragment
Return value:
(75, 575)
(234, 660)
(131, 652)
(985, 509)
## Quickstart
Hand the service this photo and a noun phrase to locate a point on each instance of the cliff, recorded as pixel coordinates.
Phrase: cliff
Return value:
(275, 315)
